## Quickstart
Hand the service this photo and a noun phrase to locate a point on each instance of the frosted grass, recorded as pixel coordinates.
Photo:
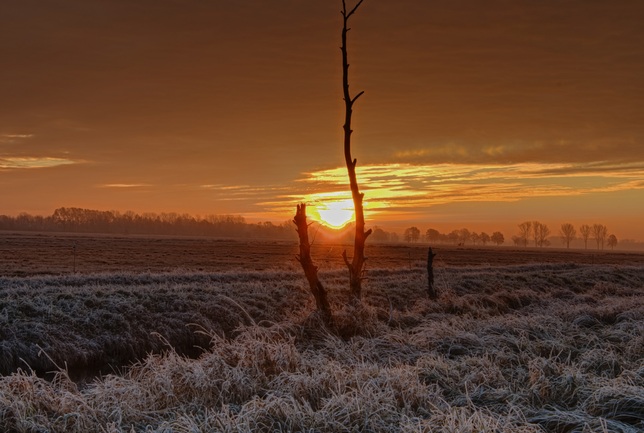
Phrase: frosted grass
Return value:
(535, 348)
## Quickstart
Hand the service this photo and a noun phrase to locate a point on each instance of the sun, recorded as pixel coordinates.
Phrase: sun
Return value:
(335, 214)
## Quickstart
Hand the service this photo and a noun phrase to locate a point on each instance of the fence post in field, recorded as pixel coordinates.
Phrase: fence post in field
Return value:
(430, 274)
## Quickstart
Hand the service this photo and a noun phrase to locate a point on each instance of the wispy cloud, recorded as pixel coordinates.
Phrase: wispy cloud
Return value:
(13, 138)
(242, 192)
(17, 135)
(398, 187)
(33, 162)
(547, 151)
(125, 185)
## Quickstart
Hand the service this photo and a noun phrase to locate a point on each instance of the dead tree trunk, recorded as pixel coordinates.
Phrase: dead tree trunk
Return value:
(430, 274)
(310, 270)
(356, 266)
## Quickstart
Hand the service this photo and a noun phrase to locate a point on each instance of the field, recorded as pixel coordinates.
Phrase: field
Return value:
(226, 339)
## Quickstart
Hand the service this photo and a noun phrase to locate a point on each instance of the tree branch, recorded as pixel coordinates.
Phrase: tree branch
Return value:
(355, 98)
(344, 9)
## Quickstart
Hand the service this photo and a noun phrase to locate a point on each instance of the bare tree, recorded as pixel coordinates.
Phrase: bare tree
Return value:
(568, 233)
(536, 225)
(600, 232)
(525, 229)
(475, 237)
(497, 238)
(432, 235)
(356, 266)
(310, 270)
(612, 241)
(412, 234)
(464, 236)
(379, 235)
(585, 231)
(484, 237)
(541, 233)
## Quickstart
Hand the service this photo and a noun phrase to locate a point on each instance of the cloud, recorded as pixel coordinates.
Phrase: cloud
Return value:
(614, 149)
(33, 162)
(392, 188)
(13, 138)
(17, 135)
(125, 185)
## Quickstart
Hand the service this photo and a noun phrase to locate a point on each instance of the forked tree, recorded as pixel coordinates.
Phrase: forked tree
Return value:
(356, 265)
(568, 233)
(525, 228)
(585, 230)
(600, 232)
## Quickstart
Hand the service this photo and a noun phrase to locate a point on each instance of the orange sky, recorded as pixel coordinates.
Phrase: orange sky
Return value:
(476, 114)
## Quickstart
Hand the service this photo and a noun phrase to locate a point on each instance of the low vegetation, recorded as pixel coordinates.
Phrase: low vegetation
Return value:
(530, 348)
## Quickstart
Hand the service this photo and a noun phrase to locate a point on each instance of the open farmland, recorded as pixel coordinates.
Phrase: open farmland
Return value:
(518, 341)
(24, 254)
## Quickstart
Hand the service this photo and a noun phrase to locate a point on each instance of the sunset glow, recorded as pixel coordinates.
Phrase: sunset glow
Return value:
(478, 113)
(334, 214)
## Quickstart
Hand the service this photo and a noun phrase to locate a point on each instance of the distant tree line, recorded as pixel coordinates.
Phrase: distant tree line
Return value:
(535, 231)
(530, 233)
(455, 237)
(598, 232)
(77, 220)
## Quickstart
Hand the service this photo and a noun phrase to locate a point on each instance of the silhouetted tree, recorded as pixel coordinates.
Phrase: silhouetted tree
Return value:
(464, 236)
(568, 233)
(612, 241)
(412, 234)
(432, 235)
(379, 235)
(585, 231)
(475, 237)
(497, 238)
(484, 237)
(310, 270)
(453, 236)
(525, 229)
(600, 232)
(356, 266)
(535, 232)
(541, 233)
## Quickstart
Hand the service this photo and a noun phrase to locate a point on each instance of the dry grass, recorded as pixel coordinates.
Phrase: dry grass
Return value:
(556, 348)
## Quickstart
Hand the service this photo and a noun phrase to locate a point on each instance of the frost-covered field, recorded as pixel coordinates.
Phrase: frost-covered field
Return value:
(523, 348)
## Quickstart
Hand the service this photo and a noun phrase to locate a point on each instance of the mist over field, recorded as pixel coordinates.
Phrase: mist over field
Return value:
(513, 344)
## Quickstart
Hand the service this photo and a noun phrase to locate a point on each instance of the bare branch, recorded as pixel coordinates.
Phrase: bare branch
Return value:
(346, 260)
(352, 10)
(356, 97)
